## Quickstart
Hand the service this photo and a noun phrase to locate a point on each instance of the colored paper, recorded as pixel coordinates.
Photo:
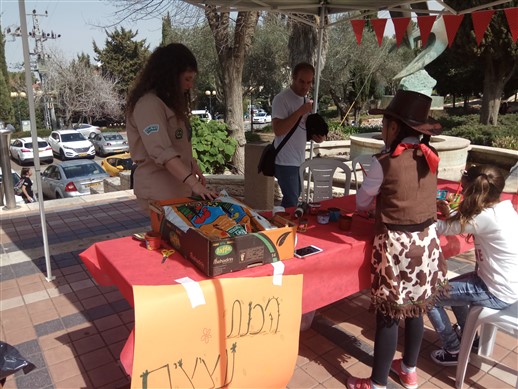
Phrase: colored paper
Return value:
(246, 335)
(379, 28)
(358, 25)
(481, 20)
(425, 24)
(512, 20)
(452, 24)
(400, 26)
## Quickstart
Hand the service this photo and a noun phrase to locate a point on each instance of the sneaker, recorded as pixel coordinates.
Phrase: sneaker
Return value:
(408, 380)
(445, 358)
(358, 383)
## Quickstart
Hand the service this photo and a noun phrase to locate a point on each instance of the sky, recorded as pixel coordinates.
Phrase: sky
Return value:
(75, 20)
(78, 23)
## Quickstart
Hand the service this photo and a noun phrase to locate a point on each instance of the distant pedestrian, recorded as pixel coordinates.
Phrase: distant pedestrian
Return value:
(27, 193)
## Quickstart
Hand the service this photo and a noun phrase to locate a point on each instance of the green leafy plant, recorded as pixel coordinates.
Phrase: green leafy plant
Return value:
(212, 145)
(506, 142)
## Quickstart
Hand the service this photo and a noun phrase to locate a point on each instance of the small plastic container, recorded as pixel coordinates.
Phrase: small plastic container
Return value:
(323, 217)
(303, 225)
(334, 214)
(345, 222)
(153, 240)
(314, 208)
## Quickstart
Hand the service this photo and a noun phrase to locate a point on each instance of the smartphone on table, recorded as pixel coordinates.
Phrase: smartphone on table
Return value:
(307, 251)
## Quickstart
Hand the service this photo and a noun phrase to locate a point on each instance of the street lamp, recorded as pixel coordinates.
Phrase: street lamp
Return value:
(210, 94)
(17, 95)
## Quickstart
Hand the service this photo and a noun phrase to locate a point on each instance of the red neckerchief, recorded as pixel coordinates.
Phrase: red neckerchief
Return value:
(431, 158)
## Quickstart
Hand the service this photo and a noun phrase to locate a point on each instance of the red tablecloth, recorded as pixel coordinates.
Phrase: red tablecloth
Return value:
(340, 270)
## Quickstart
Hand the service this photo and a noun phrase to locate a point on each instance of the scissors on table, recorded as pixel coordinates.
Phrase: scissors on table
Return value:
(166, 254)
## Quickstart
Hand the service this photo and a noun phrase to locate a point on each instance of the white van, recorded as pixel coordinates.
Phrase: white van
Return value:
(202, 114)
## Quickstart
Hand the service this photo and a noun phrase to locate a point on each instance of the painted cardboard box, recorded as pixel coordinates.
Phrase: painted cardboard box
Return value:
(218, 256)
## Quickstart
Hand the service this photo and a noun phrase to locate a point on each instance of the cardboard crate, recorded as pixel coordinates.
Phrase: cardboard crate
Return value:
(218, 256)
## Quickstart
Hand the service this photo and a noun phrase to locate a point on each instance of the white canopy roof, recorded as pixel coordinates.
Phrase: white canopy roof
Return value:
(314, 7)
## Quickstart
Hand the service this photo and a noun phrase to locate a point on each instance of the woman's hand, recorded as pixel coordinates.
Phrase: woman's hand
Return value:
(198, 188)
(443, 207)
(197, 172)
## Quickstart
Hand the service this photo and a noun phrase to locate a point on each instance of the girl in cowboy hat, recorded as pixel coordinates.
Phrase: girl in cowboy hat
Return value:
(408, 269)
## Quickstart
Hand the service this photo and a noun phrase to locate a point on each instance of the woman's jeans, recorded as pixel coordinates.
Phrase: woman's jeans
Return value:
(289, 182)
(466, 290)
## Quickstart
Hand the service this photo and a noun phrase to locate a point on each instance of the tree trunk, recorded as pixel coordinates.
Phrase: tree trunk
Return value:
(303, 42)
(231, 56)
(497, 73)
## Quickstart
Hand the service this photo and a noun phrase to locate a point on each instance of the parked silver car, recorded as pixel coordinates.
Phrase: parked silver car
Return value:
(71, 178)
(108, 143)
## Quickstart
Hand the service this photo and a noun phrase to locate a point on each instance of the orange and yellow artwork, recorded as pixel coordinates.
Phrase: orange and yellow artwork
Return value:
(220, 333)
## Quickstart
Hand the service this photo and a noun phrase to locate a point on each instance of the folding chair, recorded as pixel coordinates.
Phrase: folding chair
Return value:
(490, 321)
(364, 162)
(321, 172)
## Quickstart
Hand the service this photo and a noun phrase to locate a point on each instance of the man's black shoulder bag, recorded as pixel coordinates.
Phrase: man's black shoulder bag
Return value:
(267, 162)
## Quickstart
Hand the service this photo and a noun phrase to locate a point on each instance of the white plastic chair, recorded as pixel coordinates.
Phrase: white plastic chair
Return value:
(490, 320)
(364, 160)
(321, 172)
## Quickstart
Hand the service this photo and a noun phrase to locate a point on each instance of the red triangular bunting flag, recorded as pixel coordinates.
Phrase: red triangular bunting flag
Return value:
(481, 20)
(512, 19)
(425, 26)
(379, 28)
(358, 29)
(452, 24)
(400, 25)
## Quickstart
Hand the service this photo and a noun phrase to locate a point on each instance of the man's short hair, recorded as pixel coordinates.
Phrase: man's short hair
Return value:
(301, 67)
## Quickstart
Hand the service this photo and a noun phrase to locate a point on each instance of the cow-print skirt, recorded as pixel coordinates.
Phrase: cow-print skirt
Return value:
(408, 271)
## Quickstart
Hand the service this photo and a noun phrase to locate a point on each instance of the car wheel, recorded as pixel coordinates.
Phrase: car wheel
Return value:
(58, 195)
(62, 155)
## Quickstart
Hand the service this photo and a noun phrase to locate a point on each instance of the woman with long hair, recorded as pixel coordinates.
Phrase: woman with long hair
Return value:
(158, 128)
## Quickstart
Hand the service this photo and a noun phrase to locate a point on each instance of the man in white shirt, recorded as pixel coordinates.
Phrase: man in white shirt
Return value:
(288, 107)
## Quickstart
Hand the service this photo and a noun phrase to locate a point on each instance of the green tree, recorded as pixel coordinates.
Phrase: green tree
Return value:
(6, 106)
(497, 54)
(267, 64)
(167, 31)
(122, 57)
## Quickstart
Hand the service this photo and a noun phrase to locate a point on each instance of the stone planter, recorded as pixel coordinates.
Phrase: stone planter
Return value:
(453, 151)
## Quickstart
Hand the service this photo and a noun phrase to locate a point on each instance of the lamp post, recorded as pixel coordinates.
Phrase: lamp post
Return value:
(17, 96)
(210, 95)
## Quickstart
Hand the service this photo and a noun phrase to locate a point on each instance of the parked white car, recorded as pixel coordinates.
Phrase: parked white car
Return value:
(21, 150)
(262, 117)
(86, 129)
(70, 144)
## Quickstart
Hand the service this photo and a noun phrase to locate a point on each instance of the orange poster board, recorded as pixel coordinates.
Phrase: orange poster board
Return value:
(235, 333)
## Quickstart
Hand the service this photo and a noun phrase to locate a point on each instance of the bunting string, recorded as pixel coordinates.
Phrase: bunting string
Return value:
(480, 20)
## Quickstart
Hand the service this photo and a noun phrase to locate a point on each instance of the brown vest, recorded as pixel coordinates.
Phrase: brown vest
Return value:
(408, 193)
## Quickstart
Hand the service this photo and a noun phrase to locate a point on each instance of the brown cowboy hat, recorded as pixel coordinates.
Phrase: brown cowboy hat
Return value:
(412, 108)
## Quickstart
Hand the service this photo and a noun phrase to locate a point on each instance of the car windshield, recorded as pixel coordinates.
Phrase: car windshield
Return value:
(125, 163)
(75, 171)
(74, 137)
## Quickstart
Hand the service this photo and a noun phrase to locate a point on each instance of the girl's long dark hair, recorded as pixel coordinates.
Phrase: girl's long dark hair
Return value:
(161, 75)
(482, 185)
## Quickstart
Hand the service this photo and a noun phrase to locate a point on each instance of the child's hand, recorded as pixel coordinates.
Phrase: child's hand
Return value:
(443, 207)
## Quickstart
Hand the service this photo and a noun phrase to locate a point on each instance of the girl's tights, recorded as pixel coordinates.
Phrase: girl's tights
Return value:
(385, 344)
